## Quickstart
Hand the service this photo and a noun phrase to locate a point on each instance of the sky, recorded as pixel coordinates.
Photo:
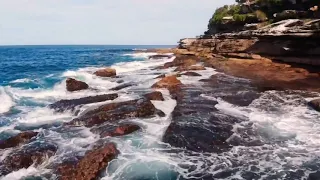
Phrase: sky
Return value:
(40, 22)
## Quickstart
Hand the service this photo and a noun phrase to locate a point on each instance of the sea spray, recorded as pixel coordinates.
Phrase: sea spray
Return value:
(6, 101)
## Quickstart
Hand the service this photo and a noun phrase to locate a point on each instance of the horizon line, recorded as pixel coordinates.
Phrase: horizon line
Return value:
(88, 45)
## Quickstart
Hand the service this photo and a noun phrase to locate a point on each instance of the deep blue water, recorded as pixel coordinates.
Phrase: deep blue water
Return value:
(34, 62)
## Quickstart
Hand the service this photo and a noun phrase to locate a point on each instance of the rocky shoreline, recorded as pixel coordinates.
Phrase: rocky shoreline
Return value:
(197, 124)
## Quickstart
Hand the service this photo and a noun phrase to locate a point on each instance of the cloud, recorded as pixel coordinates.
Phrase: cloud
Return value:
(103, 21)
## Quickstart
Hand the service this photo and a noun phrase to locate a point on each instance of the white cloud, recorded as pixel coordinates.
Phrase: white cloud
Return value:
(103, 21)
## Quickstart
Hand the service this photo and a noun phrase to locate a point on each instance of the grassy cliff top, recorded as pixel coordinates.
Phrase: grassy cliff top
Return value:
(251, 14)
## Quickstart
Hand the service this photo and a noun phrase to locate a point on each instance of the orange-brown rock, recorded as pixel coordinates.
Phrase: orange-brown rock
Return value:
(17, 140)
(90, 166)
(155, 96)
(140, 108)
(182, 60)
(121, 130)
(75, 85)
(190, 68)
(167, 82)
(269, 73)
(106, 72)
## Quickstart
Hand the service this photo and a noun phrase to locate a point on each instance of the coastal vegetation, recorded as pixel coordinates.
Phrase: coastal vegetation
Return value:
(251, 14)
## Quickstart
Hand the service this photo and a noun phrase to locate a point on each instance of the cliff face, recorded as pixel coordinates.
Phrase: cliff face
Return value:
(289, 41)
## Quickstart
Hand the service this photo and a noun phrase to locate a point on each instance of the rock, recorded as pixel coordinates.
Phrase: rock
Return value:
(314, 176)
(172, 84)
(160, 56)
(75, 85)
(190, 68)
(160, 76)
(182, 60)
(191, 74)
(121, 130)
(241, 55)
(140, 108)
(26, 157)
(107, 72)
(315, 104)
(122, 86)
(90, 166)
(64, 105)
(155, 96)
(18, 140)
(167, 82)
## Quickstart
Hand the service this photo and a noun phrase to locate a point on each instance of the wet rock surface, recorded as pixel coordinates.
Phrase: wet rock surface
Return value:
(155, 96)
(107, 72)
(190, 73)
(24, 158)
(75, 85)
(141, 108)
(64, 105)
(17, 140)
(110, 130)
(160, 56)
(190, 68)
(197, 125)
(182, 60)
(315, 104)
(122, 86)
(90, 166)
(167, 82)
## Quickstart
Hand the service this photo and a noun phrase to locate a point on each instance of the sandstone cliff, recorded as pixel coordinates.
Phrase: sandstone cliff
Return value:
(292, 40)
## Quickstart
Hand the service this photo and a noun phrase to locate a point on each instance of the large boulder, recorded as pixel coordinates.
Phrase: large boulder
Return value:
(24, 158)
(155, 96)
(315, 104)
(140, 108)
(90, 166)
(167, 82)
(64, 105)
(106, 72)
(75, 85)
(17, 140)
(172, 84)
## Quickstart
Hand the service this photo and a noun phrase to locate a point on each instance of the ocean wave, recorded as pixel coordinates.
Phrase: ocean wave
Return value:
(7, 101)
(23, 80)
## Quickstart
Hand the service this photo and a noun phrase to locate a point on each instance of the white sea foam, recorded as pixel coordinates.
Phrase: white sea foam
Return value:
(125, 67)
(23, 80)
(143, 55)
(6, 101)
(205, 74)
(21, 173)
(41, 116)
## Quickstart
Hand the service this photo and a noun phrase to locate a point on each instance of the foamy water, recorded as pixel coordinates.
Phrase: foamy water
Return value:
(6, 101)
